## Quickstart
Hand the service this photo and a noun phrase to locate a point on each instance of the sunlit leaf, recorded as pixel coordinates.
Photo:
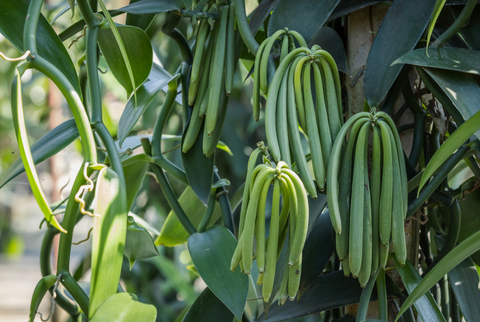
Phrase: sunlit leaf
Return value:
(108, 239)
(124, 307)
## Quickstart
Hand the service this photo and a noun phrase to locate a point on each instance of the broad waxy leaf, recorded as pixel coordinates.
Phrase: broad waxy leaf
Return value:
(445, 265)
(124, 307)
(426, 306)
(156, 81)
(140, 21)
(47, 146)
(394, 39)
(295, 16)
(173, 233)
(317, 251)
(138, 50)
(138, 244)
(49, 45)
(454, 141)
(462, 90)
(132, 81)
(208, 307)
(211, 253)
(456, 59)
(199, 168)
(260, 14)
(330, 41)
(26, 154)
(316, 207)
(325, 294)
(143, 7)
(134, 175)
(108, 239)
(464, 282)
(346, 6)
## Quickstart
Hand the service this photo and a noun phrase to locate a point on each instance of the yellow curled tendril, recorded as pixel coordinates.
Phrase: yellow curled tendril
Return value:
(24, 56)
(89, 186)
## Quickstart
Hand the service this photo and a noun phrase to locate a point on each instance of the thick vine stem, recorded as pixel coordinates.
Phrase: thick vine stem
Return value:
(243, 27)
(419, 127)
(165, 110)
(221, 192)
(208, 212)
(75, 103)
(172, 199)
(72, 309)
(77, 292)
(69, 220)
(169, 29)
(457, 25)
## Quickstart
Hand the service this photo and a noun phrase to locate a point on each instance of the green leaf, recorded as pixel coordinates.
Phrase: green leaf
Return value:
(394, 38)
(26, 154)
(292, 15)
(49, 45)
(211, 253)
(143, 7)
(454, 141)
(156, 81)
(124, 307)
(330, 40)
(318, 250)
(208, 307)
(330, 291)
(260, 14)
(436, 12)
(173, 233)
(426, 306)
(464, 282)
(134, 175)
(138, 244)
(456, 59)
(222, 146)
(108, 240)
(462, 90)
(470, 222)
(140, 21)
(346, 6)
(199, 167)
(40, 290)
(72, 6)
(47, 146)
(122, 52)
(452, 259)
